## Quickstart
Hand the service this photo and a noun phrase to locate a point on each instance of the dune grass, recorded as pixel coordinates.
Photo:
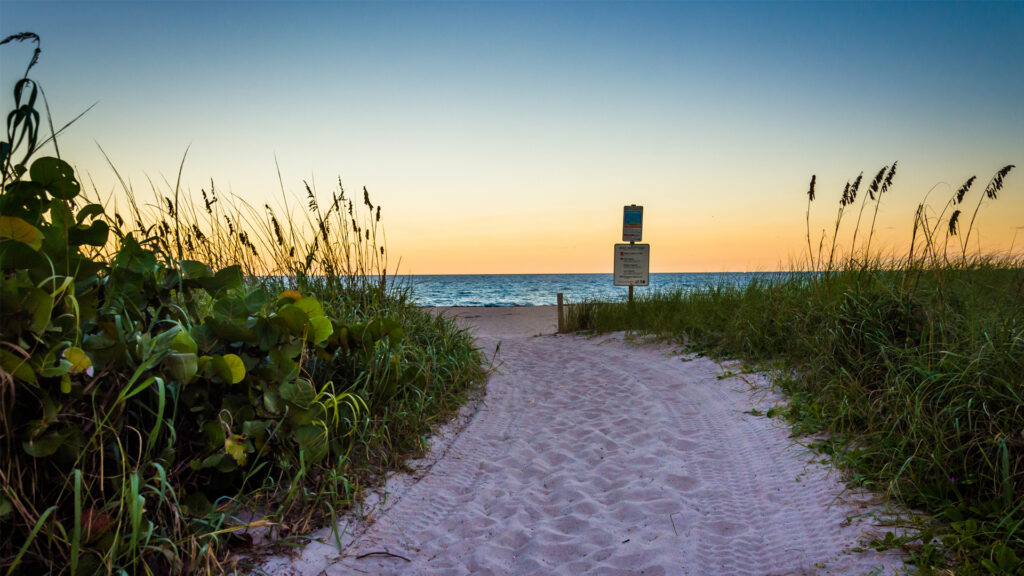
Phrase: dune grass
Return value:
(174, 374)
(912, 367)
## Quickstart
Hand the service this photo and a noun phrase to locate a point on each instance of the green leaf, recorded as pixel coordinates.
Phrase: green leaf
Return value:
(211, 461)
(299, 417)
(287, 368)
(183, 342)
(5, 506)
(61, 368)
(56, 176)
(214, 435)
(60, 214)
(267, 333)
(272, 402)
(381, 328)
(236, 366)
(229, 277)
(181, 366)
(256, 430)
(132, 256)
(89, 210)
(1006, 558)
(191, 269)
(219, 367)
(45, 445)
(21, 231)
(197, 504)
(231, 309)
(25, 200)
(295, 319)
(311, 306)
(313, 440)
(320, 329)
(228, 368)
(228, 331)
(40, 305)
(223, 280)
(299, 392)
(93, 235)
(227, 464)
(255, 300)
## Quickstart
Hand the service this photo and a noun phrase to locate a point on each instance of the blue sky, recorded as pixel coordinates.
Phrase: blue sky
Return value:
(505, 137)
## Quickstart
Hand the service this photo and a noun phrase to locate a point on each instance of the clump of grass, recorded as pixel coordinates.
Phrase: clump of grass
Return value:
(912, 366)
(174, 375)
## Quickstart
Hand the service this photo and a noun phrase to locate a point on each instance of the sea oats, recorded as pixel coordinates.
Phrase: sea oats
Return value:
(959, 197)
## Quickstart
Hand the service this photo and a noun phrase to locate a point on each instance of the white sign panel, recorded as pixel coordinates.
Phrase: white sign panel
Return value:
(632, 223)
(632, 264)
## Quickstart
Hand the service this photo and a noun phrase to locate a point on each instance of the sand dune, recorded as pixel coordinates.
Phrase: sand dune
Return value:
(601, 456)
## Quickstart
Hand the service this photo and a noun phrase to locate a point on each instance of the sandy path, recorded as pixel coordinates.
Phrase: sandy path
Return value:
(596, 456)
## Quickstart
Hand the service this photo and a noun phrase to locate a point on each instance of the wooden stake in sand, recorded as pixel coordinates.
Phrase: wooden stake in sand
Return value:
(561, 317)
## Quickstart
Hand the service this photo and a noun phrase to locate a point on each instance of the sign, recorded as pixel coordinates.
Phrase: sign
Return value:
(632, 223)
(632, 264)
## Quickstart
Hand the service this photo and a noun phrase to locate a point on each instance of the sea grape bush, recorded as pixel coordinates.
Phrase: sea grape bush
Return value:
(142, 394)
(104, 369)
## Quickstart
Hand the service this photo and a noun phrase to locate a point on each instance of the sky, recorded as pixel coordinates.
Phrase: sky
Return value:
(506, 137)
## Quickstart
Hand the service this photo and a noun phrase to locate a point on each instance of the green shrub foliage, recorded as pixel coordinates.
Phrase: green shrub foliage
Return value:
(912, 367)
(143, 393)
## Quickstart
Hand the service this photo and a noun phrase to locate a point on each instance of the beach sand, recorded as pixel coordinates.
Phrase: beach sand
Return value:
(602, 455)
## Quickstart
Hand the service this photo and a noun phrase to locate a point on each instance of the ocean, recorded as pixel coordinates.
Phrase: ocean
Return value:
(542, 289)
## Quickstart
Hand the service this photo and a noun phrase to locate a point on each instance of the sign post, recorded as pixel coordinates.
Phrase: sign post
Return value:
(632, 261)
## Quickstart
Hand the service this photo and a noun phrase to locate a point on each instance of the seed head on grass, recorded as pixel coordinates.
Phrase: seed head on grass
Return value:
(876, 182)
(997, 182)
(313, 206)
(855, 187)
(276, 225)
(963, 190)
(994, 186)
(953, 222)
(209, 201)
(810, 192)
(888, 178)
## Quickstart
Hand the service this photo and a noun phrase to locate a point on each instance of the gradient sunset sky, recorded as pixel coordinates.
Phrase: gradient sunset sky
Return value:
(506, 137)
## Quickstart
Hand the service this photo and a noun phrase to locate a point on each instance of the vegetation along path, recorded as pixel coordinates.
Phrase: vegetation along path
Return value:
(600, 456)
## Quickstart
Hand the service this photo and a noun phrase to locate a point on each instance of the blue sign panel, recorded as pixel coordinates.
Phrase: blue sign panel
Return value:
(632, 223)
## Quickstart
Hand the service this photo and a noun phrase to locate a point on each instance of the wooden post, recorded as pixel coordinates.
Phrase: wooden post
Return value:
(631, 243)
(561, 316)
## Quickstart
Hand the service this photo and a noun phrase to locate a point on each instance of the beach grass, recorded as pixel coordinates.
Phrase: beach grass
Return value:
(911, 368)
(181, 375)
